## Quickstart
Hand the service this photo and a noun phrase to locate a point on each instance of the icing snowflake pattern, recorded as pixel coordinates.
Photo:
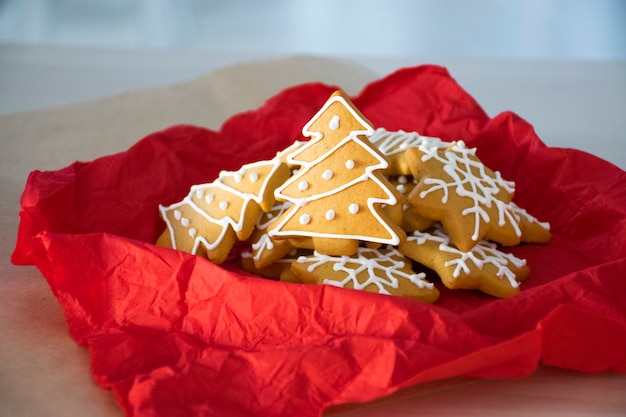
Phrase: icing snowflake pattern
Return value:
(483, 253)
(469, 179)
(380, 268)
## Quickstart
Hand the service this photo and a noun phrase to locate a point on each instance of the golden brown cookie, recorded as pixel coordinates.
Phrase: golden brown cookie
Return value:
(383, 271)
(409, 219)
(484, 267)
(264, 249)
(257, 181)
(469, 199)
(533, 230)
(339, 191)
(189, 230)
(210, 219)
(279, 269)
(393, 144)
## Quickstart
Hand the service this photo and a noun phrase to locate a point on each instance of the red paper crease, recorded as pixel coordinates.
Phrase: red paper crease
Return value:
(171, 334)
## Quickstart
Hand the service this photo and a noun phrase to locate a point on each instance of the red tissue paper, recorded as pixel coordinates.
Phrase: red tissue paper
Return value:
(171, 334)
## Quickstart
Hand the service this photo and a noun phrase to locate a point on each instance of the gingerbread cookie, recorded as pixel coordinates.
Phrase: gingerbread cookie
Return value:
(189, 230)
(409, 220)
(484, 267)
(393, 144)
(383, 271)
(533, 230)
(469, 199)
(266, 250)
(280, 269)
(339, 191)
(210, 219)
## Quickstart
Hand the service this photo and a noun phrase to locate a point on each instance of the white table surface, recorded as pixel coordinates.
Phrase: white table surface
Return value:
(571, 104)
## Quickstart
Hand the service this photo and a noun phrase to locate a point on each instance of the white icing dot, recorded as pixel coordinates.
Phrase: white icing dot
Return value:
(209, 198)
(330, 214)
(303, 185)
(184, 221)
(402, 179)
(223, 205)
(192, 232)
(334, 123)
(238, 177)
(305, 219)
(353, 208)
(401, 188)
(254, 177)
(349, 164)
(199, 193)
(177, 214)
(328, 174)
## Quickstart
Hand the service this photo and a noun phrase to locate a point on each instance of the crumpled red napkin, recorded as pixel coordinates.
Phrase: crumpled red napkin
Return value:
(175, 335)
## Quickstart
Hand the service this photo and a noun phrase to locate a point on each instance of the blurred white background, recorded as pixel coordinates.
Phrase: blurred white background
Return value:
(517, 29)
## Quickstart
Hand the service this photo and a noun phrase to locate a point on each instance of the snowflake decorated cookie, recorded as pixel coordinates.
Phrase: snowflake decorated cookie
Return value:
(339, 191)
(393, 144)
(382, 271)
(484, 267)
(469, 199)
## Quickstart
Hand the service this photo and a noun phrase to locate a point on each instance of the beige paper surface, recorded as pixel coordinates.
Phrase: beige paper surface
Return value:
(42, 372)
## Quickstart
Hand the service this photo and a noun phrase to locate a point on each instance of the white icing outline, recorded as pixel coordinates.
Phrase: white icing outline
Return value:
(258, 197)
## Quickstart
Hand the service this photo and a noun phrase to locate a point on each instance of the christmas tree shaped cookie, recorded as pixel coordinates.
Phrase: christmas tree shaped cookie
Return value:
(339, 191)
(213, 216)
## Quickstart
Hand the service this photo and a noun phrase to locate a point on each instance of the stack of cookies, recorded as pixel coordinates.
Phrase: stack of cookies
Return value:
(364, 209)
